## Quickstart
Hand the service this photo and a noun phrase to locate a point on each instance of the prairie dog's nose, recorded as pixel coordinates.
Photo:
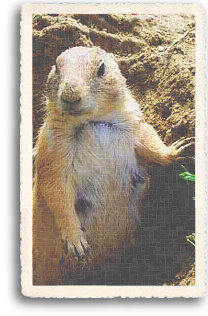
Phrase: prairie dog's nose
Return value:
(70, 92)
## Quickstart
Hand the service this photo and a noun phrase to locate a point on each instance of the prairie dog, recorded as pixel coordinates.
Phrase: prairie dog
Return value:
(91, 162)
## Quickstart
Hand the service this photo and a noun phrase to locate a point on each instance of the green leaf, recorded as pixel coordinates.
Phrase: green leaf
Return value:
(187, 175)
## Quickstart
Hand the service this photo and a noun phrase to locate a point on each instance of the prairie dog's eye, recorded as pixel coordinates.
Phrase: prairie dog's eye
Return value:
(101, 70)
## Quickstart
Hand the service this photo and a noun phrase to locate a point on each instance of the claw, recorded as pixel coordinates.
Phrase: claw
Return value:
(178, 141)
(180, 159)
(181, 149)
(84, 243)
(70, 248)
(79, 249)
(181, 141)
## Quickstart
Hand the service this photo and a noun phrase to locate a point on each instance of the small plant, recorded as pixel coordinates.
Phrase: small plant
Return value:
(187, 176)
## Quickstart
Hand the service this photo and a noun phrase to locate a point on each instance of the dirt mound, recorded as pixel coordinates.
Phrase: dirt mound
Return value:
(156, 53)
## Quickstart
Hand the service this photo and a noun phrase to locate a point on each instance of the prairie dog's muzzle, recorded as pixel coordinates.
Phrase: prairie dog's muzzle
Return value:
(70, 95)
(70, 92)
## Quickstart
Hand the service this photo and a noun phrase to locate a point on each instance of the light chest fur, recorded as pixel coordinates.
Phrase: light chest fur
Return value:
(108, 178)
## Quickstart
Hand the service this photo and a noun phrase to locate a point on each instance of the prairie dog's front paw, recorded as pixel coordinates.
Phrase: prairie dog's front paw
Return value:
(76, 245)
(179, 147)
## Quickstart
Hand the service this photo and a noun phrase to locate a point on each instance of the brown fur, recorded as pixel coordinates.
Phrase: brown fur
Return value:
(78, 98)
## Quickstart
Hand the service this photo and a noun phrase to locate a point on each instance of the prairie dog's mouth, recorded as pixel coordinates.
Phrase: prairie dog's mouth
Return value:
(72, 107)
(74, 113)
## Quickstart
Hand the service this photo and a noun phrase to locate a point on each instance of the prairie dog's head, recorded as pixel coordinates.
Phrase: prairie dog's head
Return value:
(86, 81)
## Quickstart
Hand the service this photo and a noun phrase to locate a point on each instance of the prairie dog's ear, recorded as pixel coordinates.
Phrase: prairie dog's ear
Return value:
(113, 56)
(51, 75)
(116, 59)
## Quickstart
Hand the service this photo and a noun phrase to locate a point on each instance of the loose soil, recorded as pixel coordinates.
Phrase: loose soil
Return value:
(156, 53)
